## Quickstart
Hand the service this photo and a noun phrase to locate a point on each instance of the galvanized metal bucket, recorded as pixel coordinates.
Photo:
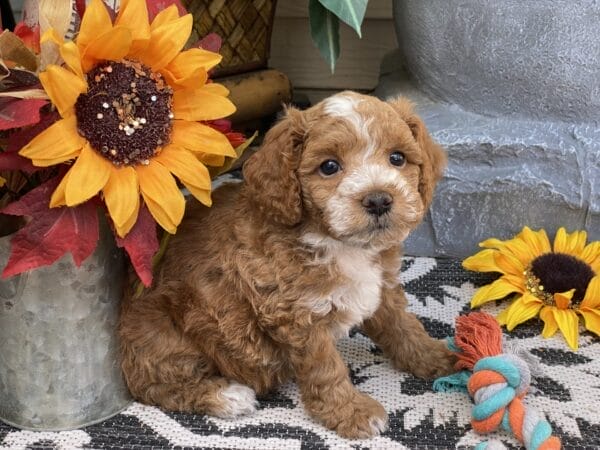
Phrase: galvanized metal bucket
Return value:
(59, 355)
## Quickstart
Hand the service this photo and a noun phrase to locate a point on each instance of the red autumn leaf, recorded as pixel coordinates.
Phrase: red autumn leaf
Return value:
(10, 159)
(51, 232)
(21, 137)
(80, 8)
(211, 42)
(15, 113)
(29, 36)
(14, 161)
(224, 126)
(141, 245)
(235, 139)
(156, 6)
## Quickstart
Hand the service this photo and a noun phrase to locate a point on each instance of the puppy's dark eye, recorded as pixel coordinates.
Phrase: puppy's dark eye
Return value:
(329, 167)
(397, 159)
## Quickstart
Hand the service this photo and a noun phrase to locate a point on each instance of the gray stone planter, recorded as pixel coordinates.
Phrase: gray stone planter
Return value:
(59, 364)
(511, 89)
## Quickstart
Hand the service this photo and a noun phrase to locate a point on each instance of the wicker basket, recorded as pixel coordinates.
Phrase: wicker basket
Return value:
(243, 25)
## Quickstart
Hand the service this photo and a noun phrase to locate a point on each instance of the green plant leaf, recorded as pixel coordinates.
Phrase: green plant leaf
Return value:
(325, 32)
(351, 12)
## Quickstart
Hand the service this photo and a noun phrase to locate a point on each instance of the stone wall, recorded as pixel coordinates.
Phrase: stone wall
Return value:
(511, 89)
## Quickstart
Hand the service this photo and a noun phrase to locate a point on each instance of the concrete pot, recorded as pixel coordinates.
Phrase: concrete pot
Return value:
(59, 356)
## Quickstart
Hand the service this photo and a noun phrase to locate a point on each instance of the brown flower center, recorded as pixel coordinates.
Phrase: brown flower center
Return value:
(126, 113)
(557, 272)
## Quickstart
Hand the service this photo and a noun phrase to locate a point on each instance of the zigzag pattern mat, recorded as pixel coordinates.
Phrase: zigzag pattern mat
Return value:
(568, 392)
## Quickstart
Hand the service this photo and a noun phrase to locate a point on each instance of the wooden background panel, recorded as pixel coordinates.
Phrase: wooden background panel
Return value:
(293, 52)
(376, 9)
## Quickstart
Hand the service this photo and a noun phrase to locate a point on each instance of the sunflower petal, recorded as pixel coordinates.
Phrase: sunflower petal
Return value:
(521, 251)
(51, 35)
(203, 195)
(482, 261)
(550, 325)
(571, 244)
(88, 175)
(96, 18)
(54, 79)
(492, 243)
(166, 42)
(502, 316)
(129, 224)
(592, 320)
(576, 242)
(591, 255)
(122, 197)
(133, 14)
(197, 137)
(517, 281)
(579, 243)
(161, 194)
(591, 299)
(112, 45)
(70, 54)
(216, 88)
(184, 166)
(509, 264)
(195, 104)
(187, 61)
(58, 196)
(211, 160)
(560, 240)
(194, 80)
(568, 323)
(522, 310)
(58, 143)
(563, 299)
(68, 51)
(165, 16)
(189, 68)
(494, 291)
(537, 240)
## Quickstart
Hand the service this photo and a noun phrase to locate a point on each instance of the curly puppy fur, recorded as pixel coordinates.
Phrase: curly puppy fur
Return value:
(257, 289)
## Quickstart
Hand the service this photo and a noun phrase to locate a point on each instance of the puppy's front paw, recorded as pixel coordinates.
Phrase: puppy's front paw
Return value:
(438, 361)
(362, 418)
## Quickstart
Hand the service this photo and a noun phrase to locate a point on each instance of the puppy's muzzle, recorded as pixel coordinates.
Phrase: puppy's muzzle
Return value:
(377, 203)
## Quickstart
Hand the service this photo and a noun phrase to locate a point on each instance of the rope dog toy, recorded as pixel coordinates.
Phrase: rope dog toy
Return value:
(497, 380)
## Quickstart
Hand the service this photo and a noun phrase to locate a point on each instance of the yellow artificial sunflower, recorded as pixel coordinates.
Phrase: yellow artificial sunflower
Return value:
(130, 100)
(558, 283)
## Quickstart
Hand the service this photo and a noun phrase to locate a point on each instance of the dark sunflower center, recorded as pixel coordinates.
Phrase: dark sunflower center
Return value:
(559, 272)
(126, 113)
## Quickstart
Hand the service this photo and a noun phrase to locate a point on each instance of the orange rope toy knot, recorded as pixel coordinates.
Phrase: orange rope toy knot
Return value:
(498, 384)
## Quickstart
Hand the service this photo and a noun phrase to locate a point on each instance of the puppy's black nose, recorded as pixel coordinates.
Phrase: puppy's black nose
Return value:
(377, 203)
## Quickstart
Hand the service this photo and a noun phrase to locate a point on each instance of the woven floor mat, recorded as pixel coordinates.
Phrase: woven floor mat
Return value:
(567, 391)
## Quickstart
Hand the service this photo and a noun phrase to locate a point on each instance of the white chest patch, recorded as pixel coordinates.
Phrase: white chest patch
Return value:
(358, 295)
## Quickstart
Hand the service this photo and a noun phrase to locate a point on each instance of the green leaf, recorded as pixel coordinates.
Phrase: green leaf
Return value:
(351, 12)
(325, 32)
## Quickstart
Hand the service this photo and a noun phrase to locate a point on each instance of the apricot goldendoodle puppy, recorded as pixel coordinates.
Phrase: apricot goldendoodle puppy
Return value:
(257, 289)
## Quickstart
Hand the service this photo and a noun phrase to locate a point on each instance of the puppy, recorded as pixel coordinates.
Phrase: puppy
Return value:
(257, 289)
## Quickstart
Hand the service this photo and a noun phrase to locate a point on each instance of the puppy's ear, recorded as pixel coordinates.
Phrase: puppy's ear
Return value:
(434, 157)
(270, 179)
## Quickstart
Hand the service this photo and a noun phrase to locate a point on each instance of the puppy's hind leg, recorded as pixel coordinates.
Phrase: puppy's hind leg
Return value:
(215, 396)
(165, 368)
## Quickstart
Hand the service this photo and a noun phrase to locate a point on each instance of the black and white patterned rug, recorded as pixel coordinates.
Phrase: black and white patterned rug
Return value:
(568, 392)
